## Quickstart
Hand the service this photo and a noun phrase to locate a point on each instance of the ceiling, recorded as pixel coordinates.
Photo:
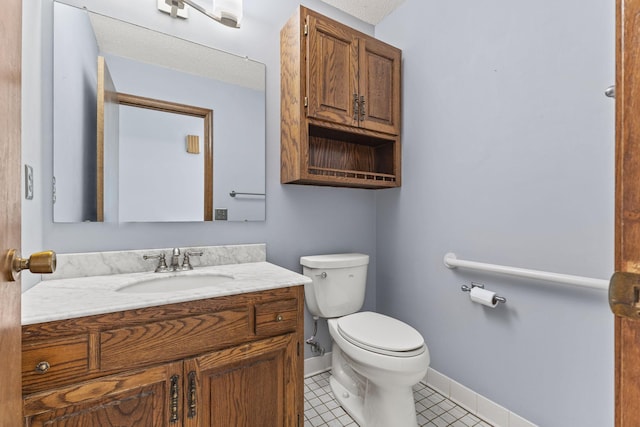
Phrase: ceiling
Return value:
(370, 11)
(141, 44)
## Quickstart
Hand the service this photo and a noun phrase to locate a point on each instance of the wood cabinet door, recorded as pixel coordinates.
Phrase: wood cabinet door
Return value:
(246, 386)
(146, 398)
(332, 71)
(379, 81)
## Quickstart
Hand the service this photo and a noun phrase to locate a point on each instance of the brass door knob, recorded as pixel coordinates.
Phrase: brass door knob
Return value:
(40, 263)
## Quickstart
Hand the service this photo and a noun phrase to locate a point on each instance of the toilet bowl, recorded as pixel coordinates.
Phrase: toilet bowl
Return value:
(385, 397)
(376, 359)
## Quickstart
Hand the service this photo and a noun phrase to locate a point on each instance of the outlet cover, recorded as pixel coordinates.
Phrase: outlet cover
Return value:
(220, 215)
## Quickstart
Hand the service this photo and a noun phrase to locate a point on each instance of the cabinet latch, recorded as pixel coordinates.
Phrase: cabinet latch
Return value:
(306, 101)
(191, 397)
(173, 405)
(306, 29)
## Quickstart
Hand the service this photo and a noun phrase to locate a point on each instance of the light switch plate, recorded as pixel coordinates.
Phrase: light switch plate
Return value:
(28, 182)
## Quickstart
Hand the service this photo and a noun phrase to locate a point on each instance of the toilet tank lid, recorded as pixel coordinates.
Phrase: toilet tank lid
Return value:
(335, 260)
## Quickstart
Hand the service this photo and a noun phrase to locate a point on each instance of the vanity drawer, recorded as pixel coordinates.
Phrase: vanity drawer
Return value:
(53, 362)
(276, 317)
(169, 340)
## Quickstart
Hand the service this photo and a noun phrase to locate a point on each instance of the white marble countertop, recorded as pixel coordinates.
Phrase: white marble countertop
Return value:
(85, 296)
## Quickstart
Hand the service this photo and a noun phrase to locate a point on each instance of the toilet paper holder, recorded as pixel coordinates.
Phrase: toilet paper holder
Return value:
(466, 288)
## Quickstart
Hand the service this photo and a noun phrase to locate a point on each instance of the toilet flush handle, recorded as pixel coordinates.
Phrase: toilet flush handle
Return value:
(322, 275)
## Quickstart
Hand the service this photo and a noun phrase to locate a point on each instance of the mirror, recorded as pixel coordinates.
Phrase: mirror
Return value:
(120, 161)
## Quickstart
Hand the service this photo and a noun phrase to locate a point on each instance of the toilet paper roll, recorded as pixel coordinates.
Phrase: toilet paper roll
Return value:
(482, 296)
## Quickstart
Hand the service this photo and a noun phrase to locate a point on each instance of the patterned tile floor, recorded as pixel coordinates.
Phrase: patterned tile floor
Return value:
(434, 410)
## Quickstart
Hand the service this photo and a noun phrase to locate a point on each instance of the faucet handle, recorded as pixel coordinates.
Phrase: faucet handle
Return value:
(162, 262)
(186, 262)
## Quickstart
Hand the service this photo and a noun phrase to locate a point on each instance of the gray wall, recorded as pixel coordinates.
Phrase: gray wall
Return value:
(37, 123)
(508, 158)
(300, 220)
(75, 66)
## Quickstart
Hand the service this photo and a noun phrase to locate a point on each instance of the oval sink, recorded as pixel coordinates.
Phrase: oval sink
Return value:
(176, 283)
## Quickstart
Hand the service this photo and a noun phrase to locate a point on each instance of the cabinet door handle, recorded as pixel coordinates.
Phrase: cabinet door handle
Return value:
(191, 398)
(362, 109)
(279, 318)
(173, 418)
(42, 367)
(355, 106)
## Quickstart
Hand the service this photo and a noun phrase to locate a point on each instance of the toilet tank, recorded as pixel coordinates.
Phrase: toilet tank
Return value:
(339, 282)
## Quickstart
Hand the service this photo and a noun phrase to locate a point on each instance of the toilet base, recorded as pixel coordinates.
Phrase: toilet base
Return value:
(351, 403)
(382, 408)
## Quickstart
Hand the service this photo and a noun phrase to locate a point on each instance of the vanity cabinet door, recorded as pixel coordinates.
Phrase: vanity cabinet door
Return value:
(244, 386)
(144, 398)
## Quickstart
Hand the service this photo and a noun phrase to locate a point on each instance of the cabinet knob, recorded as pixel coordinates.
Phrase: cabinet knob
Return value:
(42, 367)
(279, 318)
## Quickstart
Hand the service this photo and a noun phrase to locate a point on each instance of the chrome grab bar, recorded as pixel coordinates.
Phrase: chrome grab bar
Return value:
(235, 193)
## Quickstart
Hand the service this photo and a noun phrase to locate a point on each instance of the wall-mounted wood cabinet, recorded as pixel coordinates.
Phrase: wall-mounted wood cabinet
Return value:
(227, 361)
(340, 105)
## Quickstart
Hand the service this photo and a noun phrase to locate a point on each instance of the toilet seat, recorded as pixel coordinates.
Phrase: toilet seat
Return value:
(381, 334)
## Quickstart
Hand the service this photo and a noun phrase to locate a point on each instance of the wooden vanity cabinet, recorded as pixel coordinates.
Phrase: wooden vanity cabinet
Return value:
(340, 105)
(227, 361)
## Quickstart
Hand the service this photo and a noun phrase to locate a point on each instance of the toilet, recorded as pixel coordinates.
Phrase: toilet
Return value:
(376, 359)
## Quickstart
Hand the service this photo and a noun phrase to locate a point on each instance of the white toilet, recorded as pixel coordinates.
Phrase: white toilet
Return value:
(376, 359)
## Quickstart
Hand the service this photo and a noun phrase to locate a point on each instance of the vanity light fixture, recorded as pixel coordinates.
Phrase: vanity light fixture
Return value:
(226, 12)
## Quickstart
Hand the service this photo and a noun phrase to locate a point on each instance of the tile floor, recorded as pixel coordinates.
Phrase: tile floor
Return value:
(321, 410)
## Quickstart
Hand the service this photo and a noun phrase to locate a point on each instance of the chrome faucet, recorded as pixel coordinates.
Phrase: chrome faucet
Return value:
(174, 264)
(186, 261)
(175, 260)
(162, 264)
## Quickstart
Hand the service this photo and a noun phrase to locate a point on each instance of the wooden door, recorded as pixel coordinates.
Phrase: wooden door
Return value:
(627, 243)
(10, 211)
(379, 81)
(145, 398)
(332, 71)
(107, 133)
(245, 386)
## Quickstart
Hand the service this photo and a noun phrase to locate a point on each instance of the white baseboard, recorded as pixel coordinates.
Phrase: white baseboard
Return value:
(474, 402)
(453, 390)
(316, 365)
